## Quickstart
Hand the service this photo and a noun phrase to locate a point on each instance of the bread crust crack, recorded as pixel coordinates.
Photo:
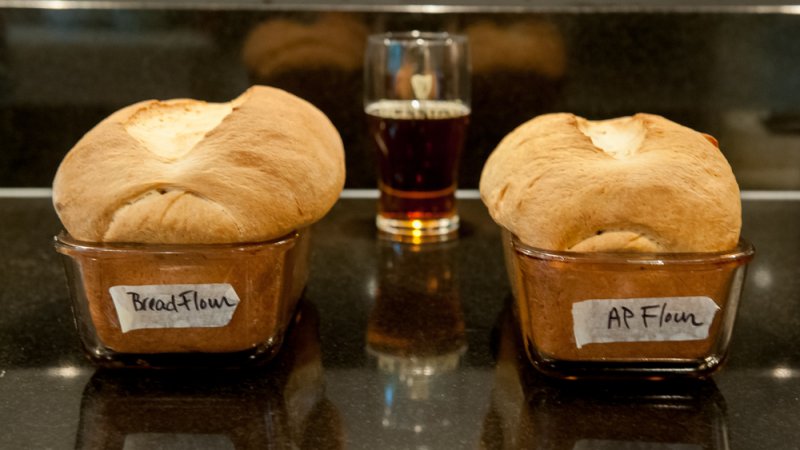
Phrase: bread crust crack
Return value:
(658, 186)
(185, 172)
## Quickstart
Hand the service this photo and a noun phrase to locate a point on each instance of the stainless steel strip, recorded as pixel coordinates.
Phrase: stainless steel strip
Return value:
(544, 6)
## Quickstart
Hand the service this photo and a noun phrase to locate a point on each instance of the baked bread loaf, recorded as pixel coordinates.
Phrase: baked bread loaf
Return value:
(639, 184)
(189, 172)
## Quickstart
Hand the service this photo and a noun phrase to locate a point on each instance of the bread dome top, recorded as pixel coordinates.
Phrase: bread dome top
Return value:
(639, 184)
(185, 171)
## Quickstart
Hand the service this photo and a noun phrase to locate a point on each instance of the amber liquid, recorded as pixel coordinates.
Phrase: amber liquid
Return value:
(417, 311)
(419, 145)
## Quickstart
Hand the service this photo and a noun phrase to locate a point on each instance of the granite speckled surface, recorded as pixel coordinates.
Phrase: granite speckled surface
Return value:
(348, 375)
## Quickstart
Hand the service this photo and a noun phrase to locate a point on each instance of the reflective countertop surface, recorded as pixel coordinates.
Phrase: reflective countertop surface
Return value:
(394, 346)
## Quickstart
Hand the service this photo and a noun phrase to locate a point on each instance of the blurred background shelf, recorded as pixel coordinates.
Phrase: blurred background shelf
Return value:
(726, 68)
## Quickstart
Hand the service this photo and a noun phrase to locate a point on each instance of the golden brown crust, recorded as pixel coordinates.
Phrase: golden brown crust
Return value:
(664, 188)
(270, 164)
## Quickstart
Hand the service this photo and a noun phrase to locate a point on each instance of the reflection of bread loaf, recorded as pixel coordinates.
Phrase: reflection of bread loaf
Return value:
(334, 40)
(639, 183)
(527, 46)
(184, 171)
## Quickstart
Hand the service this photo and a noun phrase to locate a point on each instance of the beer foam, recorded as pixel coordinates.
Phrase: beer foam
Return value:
(417, 109)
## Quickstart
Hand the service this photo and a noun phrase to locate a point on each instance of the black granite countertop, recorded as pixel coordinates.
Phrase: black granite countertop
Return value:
(459, 383)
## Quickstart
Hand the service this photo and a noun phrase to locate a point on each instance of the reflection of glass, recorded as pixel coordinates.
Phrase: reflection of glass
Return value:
(416, 96)
(530, 411)
(281, 405)
(416, 333)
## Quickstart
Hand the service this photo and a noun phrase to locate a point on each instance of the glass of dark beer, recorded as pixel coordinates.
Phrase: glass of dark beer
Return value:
(417, 102)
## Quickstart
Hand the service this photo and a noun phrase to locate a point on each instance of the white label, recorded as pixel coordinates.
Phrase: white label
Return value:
(642, 319)
(174, 305)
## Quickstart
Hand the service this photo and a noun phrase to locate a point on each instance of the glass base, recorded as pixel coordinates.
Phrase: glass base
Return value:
(644, 369)
(418, 230)
(256, 356)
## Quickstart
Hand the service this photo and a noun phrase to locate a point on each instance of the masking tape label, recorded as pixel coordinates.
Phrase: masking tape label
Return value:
(642, 319)
(174, 305)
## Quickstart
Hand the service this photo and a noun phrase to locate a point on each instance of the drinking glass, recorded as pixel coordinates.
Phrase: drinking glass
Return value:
(417, 102)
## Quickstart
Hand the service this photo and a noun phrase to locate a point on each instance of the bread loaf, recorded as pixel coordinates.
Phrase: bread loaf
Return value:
(189, 172)
(639, 183)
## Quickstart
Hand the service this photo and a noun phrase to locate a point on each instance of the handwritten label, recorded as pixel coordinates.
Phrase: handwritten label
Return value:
(642, 319)
(174, 305)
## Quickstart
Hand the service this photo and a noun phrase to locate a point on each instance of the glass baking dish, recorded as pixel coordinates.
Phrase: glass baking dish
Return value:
(587, 315)
(154, 305)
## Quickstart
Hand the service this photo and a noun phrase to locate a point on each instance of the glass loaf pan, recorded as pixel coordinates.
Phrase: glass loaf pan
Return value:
(597, 315)
(149, 305)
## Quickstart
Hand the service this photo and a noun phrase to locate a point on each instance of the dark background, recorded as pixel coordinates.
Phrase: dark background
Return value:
(732, 72)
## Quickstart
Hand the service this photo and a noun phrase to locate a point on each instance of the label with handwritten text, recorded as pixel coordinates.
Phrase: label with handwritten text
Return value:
(642, 319)
(174, 305)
